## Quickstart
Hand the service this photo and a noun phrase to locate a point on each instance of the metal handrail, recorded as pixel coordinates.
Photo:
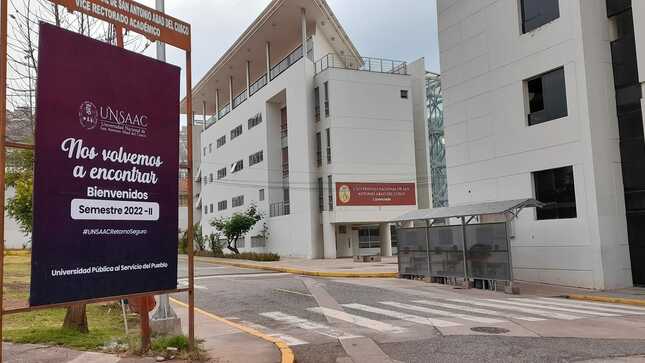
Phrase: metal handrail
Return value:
(224, 111)
(366, 64)
(237, 100)
(279, 209)
(258, 84)
(286, 62)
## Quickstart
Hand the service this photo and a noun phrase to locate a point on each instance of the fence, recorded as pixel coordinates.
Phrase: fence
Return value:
(439, 251)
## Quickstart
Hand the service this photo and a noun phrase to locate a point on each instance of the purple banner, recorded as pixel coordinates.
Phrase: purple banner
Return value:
(105, 186)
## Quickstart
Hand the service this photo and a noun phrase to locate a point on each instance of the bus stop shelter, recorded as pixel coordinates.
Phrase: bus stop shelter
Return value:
(469, 242)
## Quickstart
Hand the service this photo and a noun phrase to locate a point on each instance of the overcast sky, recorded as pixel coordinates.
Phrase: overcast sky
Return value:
(394, 29)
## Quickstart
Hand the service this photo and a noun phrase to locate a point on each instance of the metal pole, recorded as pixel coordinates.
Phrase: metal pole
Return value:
(161, 47)
(191, 262)
(463, 228)
(428, 246)
(3, 127)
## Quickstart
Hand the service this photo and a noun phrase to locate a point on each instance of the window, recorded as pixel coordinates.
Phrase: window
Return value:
(404, 93)
(221, 141)
(222, 205)
(205, 209)
(318, 149)
(536, 13)
(237, 201)
(394, 237)
(256, 158)
(547, 97)
(330, 191)
(210, 177)
(261, 196)
(236, 132)
(204, 150)
(555, 187)
(211, 208)
(369, 237)
(328, 135)
(237, 166)
(221, 173)
(317, 104)
(321, 198)
(342, 229)
(210, 148)
(326, 90)
(255, 120)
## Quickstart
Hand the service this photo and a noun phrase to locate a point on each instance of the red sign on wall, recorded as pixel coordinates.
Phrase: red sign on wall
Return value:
(375, 194)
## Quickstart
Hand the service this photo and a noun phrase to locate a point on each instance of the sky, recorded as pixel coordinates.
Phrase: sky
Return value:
(394, 29)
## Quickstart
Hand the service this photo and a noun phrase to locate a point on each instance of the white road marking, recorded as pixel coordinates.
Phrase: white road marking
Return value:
(444, 313)
(271, 274)
(359, 320)
(542, 306)
(291, 341)
(293, 292)
(548, 314)
(184, 283)
(471, 309)
(403, 316)
(305, 324)
(616, 310)
(589, 303)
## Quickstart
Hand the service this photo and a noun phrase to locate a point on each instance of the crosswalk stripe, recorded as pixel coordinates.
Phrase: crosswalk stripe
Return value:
(542, 306)
(589, 303)
(291, 341)
(443, 313)
(305, 324)
(358, 320)
(471, 309)
(545, 313)
(616, 310)
(403, 316)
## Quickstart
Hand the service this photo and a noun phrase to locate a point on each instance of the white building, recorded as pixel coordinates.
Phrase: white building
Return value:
(321, 125)
(533, 108)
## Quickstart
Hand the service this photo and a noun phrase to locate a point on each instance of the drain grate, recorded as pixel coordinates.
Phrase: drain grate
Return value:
(489, 330)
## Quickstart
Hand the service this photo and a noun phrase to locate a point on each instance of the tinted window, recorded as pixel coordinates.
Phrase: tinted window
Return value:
(536, 13)
(547, 97)
(555, 187)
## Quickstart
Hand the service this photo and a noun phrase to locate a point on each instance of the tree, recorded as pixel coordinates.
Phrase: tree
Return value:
(237, 226)
(19, 176)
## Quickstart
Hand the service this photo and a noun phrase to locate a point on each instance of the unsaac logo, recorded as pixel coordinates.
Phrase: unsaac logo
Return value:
(89, 115)
(344, 194)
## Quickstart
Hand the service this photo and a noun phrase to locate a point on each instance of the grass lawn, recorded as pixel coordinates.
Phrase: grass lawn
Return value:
(45, 326)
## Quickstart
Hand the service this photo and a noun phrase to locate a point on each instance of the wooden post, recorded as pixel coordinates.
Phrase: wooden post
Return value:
(144, 308)
(191, 262)
(119, 36)
(3, 127)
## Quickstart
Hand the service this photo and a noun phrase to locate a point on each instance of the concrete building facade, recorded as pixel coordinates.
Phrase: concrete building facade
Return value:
(540, 102)
(319, 138)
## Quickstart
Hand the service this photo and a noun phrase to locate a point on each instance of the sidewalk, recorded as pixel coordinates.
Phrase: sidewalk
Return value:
(33, 353)
(339, 267)
(228, 342)
(630, 296)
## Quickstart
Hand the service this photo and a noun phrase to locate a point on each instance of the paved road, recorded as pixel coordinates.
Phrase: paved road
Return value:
(333, 320)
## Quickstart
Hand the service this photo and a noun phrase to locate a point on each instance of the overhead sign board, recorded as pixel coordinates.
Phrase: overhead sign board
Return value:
(153, 24)
(375, 194)
(106, 171)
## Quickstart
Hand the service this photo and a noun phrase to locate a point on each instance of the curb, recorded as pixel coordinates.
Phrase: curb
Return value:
(607, 299)
(299, 271)
(285, 351)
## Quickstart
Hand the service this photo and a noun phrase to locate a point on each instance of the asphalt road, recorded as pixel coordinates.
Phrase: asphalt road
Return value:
(333, 320)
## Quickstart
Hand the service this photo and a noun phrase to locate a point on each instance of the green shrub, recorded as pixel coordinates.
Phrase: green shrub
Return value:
(162, 343)
(253, 256)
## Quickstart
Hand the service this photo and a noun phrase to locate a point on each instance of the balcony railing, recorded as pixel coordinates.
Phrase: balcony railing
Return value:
(224, 111)
(258, 84)
(286, 62)
(367, 64)
(239, 99)
(275, 71)
(279, 209)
